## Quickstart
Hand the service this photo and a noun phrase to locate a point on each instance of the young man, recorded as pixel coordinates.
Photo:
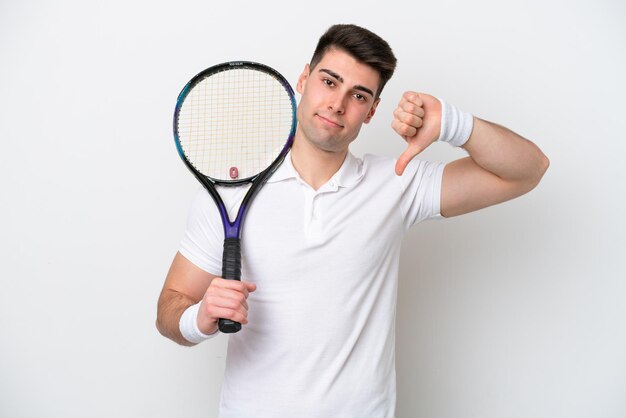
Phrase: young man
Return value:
(322, 244)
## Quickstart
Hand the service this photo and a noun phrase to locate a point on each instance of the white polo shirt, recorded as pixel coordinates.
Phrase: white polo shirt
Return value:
(321, 335)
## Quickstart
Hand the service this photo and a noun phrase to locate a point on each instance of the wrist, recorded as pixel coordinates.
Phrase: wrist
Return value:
(456, 125)
(188, 326)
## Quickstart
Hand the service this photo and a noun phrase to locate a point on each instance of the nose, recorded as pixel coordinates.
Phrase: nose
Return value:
(336, 104)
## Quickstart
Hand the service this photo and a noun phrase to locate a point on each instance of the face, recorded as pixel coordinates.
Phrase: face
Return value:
(337, 98)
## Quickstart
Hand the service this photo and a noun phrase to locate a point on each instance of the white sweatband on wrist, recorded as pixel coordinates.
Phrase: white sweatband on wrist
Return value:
(456, 125)
(188, 325)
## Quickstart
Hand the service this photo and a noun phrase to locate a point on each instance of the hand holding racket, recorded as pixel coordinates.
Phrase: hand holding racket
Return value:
(233, 125)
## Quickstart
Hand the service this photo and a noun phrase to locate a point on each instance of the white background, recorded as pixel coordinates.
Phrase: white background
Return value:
(515, 311)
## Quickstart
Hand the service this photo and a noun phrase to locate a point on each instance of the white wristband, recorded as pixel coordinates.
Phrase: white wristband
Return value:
(188, 325)
(456, 125)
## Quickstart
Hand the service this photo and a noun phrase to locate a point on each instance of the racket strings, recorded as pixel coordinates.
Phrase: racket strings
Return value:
(233, 124)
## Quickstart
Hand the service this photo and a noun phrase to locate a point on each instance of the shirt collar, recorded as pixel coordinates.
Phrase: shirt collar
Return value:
(348, 175)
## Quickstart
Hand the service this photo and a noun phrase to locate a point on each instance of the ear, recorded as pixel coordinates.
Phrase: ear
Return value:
(370, 115)
(302, 79)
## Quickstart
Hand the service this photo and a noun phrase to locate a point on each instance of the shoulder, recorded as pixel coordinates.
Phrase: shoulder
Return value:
(202, 210)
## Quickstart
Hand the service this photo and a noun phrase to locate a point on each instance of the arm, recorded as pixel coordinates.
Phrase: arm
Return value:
(185, 285)
(502, 165)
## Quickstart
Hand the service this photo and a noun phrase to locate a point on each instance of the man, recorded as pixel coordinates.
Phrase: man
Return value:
(322, 243)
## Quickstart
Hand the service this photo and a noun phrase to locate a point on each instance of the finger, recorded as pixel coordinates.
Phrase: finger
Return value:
(251, 287)
(237, 285)
(410, 108)
(413, 97)
(218, 296)
(235, 302)
(414, 109)
(402, 129)
(409, 119)
(217, 312)
(210, 312)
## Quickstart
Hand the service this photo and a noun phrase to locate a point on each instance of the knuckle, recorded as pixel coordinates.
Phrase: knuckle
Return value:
(407, 130)
(232, 303)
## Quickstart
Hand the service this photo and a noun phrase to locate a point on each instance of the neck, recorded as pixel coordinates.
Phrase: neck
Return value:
(315, 166)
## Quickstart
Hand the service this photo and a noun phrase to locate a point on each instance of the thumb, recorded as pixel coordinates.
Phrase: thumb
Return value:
(405, 158)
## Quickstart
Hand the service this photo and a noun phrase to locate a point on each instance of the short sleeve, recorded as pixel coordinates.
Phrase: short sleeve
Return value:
(202, 241)
(421, 191)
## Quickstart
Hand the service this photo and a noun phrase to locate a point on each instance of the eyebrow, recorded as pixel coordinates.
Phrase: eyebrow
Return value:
(340, 79)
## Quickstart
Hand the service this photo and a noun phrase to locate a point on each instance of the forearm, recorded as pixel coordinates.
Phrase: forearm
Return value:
(506, 154)
(170, 308)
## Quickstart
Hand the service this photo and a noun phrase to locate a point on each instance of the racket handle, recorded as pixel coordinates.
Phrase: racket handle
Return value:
(231, 270)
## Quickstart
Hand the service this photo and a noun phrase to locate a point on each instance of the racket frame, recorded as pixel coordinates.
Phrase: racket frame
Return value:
(231, 260)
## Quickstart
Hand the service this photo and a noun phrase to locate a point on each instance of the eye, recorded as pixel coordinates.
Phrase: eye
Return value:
(360, 97)
(328, 82)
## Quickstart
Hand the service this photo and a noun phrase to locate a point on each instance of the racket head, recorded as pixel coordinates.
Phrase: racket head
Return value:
(234, 121)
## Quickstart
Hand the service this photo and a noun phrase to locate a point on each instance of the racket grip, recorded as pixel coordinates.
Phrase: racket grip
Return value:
(231, 270)
(231, 260)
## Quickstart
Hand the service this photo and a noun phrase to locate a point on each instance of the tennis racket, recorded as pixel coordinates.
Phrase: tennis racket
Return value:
(233, 125)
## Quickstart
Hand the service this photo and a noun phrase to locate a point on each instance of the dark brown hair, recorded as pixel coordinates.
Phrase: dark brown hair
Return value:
(365, 46)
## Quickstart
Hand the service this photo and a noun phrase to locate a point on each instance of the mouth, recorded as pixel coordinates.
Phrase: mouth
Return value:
(329, 122)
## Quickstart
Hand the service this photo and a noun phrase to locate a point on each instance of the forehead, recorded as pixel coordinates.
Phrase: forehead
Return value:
(349, 68)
